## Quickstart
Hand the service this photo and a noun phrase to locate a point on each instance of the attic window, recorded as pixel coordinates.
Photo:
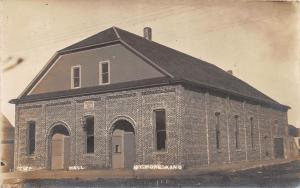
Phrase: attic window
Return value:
(76, 77)
(104, 72)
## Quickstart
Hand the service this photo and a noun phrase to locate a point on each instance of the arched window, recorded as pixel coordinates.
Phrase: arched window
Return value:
(218, 133)
(237, 132)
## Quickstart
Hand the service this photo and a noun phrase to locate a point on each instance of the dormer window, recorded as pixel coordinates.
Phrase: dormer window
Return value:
(104, 73)
(76, 77)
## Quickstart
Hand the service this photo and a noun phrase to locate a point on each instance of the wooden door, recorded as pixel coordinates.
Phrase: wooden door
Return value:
(57, 152)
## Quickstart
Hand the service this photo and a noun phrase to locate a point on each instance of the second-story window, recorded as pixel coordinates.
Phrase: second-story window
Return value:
(76, 77)
(104, 69)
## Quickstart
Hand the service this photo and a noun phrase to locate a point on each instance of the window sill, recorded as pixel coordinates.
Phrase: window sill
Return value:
(30, 155)
(75, 87)
(103, 84)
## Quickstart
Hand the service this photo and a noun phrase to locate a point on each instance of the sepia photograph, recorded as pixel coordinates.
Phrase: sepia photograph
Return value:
(149, 93)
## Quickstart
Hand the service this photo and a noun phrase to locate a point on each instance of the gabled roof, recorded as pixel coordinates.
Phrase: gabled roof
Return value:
(103, 37)
(293, 131)
(172, 63)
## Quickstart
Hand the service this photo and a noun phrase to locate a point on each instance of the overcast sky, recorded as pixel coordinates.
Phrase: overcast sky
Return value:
(257, 40)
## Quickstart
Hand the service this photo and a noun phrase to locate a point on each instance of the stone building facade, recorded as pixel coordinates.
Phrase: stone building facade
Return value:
(200, 125)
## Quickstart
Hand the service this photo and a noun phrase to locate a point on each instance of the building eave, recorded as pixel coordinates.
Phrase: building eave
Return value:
(147, 83)
(208, 88)
(125, 86)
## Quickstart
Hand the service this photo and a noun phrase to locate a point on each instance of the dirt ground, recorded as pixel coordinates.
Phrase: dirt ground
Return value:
(282, 175)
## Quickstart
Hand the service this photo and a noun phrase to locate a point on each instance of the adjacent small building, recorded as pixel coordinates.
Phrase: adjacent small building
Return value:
(294, 143)
(7, 144)
(118, 100)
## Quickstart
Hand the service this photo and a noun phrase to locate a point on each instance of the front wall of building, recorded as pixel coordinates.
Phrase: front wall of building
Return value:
(136, 106)
(200, 130)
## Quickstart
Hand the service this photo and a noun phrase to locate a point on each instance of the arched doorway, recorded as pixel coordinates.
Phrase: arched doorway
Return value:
(123, 144)
(59, 147)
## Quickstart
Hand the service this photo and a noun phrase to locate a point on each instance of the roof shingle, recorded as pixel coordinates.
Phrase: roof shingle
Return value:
(175, 64)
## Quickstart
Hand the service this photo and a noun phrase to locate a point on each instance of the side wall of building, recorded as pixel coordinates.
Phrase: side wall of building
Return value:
(136, 105)
(200, 137)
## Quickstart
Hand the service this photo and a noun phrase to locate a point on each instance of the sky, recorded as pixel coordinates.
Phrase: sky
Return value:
(258, 40)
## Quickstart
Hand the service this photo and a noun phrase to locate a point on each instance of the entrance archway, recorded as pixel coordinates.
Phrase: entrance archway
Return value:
(123, 144)
(59, 147)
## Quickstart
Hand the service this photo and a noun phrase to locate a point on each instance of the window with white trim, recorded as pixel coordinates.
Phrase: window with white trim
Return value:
(76, 77)
(104, 72)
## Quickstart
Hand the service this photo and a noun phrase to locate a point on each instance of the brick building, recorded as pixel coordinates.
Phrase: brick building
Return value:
(118, 100)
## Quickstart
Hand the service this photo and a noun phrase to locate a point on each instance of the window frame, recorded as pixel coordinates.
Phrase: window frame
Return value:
(87, 136)
(117, 150)
(276, 129)
(101, 72)
(265, 140)
(237, 133)
(155, 130)
(217, 130)
(72, 76)
(252, 132)
(30, 152)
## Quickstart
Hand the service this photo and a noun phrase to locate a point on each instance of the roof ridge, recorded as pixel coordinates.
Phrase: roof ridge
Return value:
(198, 63)
(205, 62)
(116, 32)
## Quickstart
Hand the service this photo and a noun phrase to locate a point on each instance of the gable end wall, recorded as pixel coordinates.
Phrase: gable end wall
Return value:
(124, 66)
(138, 105)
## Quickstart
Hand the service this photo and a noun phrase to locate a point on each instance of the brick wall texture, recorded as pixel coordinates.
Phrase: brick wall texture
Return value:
(191, 128)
